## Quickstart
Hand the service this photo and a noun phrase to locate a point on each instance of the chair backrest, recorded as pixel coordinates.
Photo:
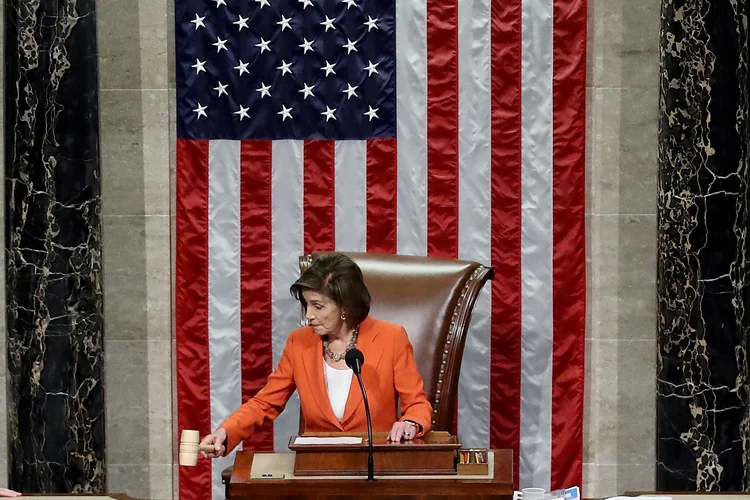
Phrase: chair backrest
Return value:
(433, 299)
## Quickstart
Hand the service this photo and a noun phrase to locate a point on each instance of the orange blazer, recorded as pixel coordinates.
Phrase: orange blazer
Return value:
(389, 373)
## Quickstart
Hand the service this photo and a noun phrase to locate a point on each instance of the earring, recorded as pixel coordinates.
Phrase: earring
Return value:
(343, 317)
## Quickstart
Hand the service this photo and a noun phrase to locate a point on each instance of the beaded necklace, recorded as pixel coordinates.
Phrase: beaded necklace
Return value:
(336, 357)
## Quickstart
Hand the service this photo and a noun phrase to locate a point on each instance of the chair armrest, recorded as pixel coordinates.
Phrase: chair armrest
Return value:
(226, 474)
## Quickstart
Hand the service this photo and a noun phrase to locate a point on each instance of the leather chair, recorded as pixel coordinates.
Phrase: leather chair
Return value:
(433, 299)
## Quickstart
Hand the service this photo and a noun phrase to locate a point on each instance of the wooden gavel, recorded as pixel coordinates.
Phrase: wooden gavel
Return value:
(190, 446)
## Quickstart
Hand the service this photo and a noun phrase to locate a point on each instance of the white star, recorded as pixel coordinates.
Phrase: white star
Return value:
(329, 113)
(201, 110)
(264, 90)
(305, 45)
(220, 45)
(305, 3)
(328, 68)
(349, 45)
(199, 66)
(219, 3)
(350, 91)
(221, 89)
(198, 21)
(242, 112)
(284, 23)
(370, 23)
(242, 22)
(349, 3)
(284, 67)
(370, 68)
(263, 3)
(307, 91)
(372, 113)
(263, 45)
(242, 67)
(285, 112)
(328, 23)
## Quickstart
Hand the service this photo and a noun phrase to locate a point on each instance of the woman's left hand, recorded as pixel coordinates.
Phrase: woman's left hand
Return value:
(402, 430)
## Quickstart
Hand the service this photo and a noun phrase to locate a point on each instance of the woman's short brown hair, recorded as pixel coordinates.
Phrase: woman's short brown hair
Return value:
(337, 277)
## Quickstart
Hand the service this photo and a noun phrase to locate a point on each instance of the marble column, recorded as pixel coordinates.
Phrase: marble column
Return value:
(703, 398)
(53, 248)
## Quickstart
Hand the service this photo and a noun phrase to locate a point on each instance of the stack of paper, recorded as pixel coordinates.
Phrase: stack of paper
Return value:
(328, 440)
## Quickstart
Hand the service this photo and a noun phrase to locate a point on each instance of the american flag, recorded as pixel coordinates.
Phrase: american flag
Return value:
(450, 128)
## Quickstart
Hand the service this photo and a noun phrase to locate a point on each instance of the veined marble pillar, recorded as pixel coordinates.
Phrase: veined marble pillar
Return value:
(53, 247)
(703, 441)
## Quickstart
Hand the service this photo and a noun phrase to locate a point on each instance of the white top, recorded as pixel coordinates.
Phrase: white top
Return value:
(338, 383)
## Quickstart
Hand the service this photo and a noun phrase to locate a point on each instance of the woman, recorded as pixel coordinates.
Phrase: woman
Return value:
(337, 305)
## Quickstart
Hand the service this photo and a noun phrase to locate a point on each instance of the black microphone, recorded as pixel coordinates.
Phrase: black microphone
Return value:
(354, 360)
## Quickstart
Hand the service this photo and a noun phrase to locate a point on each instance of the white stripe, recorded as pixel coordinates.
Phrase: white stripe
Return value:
(223, 290)
(536, 243)
(287, 244)
(474, 226)
(351, 196)
(411, 78)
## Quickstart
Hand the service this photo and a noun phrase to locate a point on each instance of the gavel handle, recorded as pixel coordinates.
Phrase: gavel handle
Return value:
(208, 448)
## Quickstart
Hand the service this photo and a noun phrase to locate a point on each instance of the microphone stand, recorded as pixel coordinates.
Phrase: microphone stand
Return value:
(370, 463)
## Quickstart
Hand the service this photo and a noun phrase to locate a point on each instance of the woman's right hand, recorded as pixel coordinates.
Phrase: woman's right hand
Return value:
(217, 439)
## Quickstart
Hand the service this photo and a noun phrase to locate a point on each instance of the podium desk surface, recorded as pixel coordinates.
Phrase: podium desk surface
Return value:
(498, 486)
(689, 495)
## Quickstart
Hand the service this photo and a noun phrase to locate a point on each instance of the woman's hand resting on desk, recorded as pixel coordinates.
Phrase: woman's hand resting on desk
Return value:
(5, 492)
(402, 430)
(217, 439)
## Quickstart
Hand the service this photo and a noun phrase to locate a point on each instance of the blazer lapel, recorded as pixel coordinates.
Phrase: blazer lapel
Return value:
(372, 353)
(312, 359)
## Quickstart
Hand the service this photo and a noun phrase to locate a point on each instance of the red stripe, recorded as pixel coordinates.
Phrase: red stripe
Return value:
(442, 128)
(320, 196)
(505, 358)
(255, 284)
(191, 307)
(569, 241)
(381, 195)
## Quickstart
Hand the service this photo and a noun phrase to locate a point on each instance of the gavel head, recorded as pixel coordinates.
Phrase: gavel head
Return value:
(190, 446)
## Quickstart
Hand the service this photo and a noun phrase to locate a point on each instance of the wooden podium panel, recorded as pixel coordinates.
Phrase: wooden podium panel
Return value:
(434, 454)
(500, 486)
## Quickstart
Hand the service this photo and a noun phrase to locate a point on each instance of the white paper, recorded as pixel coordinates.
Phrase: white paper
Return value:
(328, 440)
